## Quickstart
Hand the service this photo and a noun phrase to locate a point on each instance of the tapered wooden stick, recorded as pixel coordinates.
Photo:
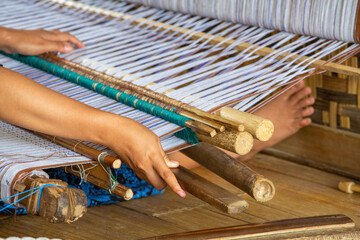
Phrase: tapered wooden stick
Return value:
(321, 227)
(85, 150)
(209, 192)
(232, 170)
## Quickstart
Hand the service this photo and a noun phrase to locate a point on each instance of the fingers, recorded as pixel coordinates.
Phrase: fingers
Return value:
(57, 46)
(64, 37)
(166, 174)
(171, 163)
(67, 37)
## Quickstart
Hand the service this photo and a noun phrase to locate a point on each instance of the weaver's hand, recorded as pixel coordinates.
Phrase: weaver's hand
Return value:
(140, 148)
(35, 42)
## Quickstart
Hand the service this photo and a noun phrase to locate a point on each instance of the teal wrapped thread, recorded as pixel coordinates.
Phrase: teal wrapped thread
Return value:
(188, 135)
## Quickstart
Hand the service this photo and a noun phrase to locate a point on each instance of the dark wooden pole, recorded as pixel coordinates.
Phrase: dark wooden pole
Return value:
(232, 170)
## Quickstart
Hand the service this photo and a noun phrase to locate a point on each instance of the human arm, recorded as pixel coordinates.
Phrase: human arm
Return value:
(30, 105)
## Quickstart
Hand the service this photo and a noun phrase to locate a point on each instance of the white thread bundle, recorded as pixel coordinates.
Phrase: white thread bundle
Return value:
(330, 19)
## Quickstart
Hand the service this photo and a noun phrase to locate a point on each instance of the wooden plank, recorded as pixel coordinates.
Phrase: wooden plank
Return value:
(322, 147)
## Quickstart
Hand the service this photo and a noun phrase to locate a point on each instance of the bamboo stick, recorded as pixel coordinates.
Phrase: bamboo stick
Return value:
(209, 192)
(83, 149)
(232, 170)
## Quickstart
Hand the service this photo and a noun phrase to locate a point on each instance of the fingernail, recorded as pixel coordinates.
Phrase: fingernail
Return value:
(181, 193)
(68, 48)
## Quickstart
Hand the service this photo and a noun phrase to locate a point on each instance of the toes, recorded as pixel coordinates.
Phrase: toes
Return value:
(304, 122)
(295, 88)
(300, 94)
(305, 103)
(307, 112)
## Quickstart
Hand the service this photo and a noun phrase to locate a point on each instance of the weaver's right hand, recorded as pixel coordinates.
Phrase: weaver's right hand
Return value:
(140, 148)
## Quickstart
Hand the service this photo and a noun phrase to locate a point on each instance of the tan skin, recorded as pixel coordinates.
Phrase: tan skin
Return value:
(49, 112)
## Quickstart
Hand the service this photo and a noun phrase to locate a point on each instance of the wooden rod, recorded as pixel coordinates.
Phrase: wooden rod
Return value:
(261, 128)
(83, 149)
(215, 40)
(209, 192)
(232, 170)
(274, 230)
(120, 190)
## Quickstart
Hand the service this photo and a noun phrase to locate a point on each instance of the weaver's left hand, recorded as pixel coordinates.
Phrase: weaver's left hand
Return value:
(35, 42)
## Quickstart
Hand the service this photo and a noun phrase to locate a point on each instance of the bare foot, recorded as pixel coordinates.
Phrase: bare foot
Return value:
(289, 112)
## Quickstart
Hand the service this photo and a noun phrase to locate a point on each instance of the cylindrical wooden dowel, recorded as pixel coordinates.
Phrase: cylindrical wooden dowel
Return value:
(232, 170)
(234, 141)
(83, 149)
(120, 190)
(261, 128)
(209, 192)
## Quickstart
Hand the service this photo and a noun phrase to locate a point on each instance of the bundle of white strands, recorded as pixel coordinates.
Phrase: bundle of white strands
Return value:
(330, 19)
